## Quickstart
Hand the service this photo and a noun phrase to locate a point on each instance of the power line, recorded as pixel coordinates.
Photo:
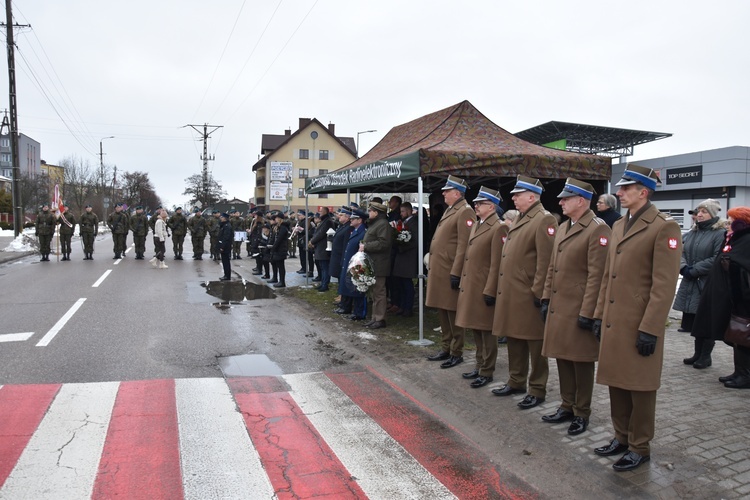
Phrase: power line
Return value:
(257, 42)
(221, 57)
(237, 108)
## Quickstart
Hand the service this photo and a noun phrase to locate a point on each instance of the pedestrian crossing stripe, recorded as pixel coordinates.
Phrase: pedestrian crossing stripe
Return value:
(341, 435)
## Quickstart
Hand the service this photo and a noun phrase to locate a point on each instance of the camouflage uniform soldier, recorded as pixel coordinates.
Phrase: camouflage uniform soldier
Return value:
(139, 226)
(45, 228)
(213, 234)
(178, 224)
(126, 213)
(238, 224)
(118, 224)
(89, 229)
(67, 223)
(197, 225)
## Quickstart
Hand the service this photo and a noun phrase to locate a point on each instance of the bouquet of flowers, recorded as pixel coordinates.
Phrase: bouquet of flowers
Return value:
(403, 236)
(361, 271)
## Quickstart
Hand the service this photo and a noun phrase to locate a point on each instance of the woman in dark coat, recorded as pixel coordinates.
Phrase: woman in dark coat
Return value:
(352, 298)
(280, 249)
(727, 291)
(700, 247)
(406, 262)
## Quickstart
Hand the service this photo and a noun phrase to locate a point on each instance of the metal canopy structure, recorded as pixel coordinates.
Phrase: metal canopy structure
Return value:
(592, 139)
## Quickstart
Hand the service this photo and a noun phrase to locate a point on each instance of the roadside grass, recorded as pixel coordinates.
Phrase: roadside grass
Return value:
(398, 330)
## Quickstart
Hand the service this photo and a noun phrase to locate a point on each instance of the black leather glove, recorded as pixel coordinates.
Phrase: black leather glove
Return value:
(586, 323)
(455, 280)
(489, 300)
(646, 344)
(596, 328)
(537, 302)
(544, 308)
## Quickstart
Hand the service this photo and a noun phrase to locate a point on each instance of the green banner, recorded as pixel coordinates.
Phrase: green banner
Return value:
(393, 169)
(562, 144)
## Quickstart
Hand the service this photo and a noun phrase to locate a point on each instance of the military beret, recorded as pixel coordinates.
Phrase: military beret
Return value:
(225, 215)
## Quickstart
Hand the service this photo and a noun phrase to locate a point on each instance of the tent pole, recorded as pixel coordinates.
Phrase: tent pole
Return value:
(348, 197)
(420, 266)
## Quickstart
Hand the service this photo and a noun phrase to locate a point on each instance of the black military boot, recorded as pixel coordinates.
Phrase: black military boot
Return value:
(697, 354)
(742, 370)
(704, 360)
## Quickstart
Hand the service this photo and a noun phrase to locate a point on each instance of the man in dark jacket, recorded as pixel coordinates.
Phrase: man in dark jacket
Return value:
(377, 244)
(319, 243)
(139, 226)
(226, 240)
(119, 225)
(337, 251)
(178, 224)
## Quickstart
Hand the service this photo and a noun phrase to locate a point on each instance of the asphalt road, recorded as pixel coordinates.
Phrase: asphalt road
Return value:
(135, 322)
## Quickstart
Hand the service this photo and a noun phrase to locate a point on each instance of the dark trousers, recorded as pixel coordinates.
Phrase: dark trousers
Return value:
(119, 240)
(405, 295)
(226, 262)
(197, 242)
(65, 243)
(306, 260)
(88, 242)
(325, 275)
(214, 243)
(177, 241)
(160, 249)
(280, 268)
(140, 244)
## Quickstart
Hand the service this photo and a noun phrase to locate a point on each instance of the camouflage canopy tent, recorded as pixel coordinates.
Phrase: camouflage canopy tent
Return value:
(460, 141)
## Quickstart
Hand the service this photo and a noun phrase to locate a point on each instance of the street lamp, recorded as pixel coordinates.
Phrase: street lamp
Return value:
(363, 132)
(101, 175)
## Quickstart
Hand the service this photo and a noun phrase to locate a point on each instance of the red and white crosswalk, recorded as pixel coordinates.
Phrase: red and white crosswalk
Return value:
(333, 435)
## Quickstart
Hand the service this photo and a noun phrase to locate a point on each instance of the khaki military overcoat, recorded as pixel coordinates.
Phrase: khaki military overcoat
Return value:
(523, 270)
(638, 287)
(574, 278)
(481, 260)
(447, 254)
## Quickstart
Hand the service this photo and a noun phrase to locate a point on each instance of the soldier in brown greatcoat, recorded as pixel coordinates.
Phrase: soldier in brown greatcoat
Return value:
(445, 264)
(570, 294)
(523, 269)
(638, 287)
(476, 294)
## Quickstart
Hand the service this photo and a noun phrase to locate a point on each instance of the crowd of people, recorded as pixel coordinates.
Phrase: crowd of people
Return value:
(596, 287)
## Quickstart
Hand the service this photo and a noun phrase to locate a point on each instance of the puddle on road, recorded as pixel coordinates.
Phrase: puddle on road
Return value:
(248, 365)
(228, 292)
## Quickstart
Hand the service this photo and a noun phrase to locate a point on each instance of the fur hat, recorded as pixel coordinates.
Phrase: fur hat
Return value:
(711, 206)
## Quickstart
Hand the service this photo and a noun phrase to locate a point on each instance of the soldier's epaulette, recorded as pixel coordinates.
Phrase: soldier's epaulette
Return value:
(598, 221)
(546, 212)
(468, 206)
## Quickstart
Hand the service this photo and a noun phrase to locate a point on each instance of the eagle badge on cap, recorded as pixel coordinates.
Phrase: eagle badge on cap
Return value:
(603, 241)
(672, 243)
(551, 230)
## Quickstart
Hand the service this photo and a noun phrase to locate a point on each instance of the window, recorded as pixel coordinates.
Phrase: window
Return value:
(304, 154)
(303, 173)
(6, 157)
(322, 171)
(5, 143)
(300, 192)
(323, 154)
(323, 195)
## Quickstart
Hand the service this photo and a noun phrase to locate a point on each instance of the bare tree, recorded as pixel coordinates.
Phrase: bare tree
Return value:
(137, 189)
(35, 192)
(78, 188)
(194, 189)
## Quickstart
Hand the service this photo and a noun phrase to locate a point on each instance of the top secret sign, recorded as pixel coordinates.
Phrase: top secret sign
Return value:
(685, 175)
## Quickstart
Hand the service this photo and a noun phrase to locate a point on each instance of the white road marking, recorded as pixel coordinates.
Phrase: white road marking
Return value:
(60, 324)
(383, 468)
(218, 458)
(15, 337)
(104, 276)
(62, 457)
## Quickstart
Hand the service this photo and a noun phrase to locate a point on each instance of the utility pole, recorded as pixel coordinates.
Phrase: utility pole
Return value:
(16, 185)
(205, 134)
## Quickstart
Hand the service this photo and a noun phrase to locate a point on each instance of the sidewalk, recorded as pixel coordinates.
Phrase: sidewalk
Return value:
(701, 447)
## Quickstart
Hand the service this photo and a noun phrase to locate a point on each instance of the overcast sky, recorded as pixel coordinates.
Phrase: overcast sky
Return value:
(141, 70)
